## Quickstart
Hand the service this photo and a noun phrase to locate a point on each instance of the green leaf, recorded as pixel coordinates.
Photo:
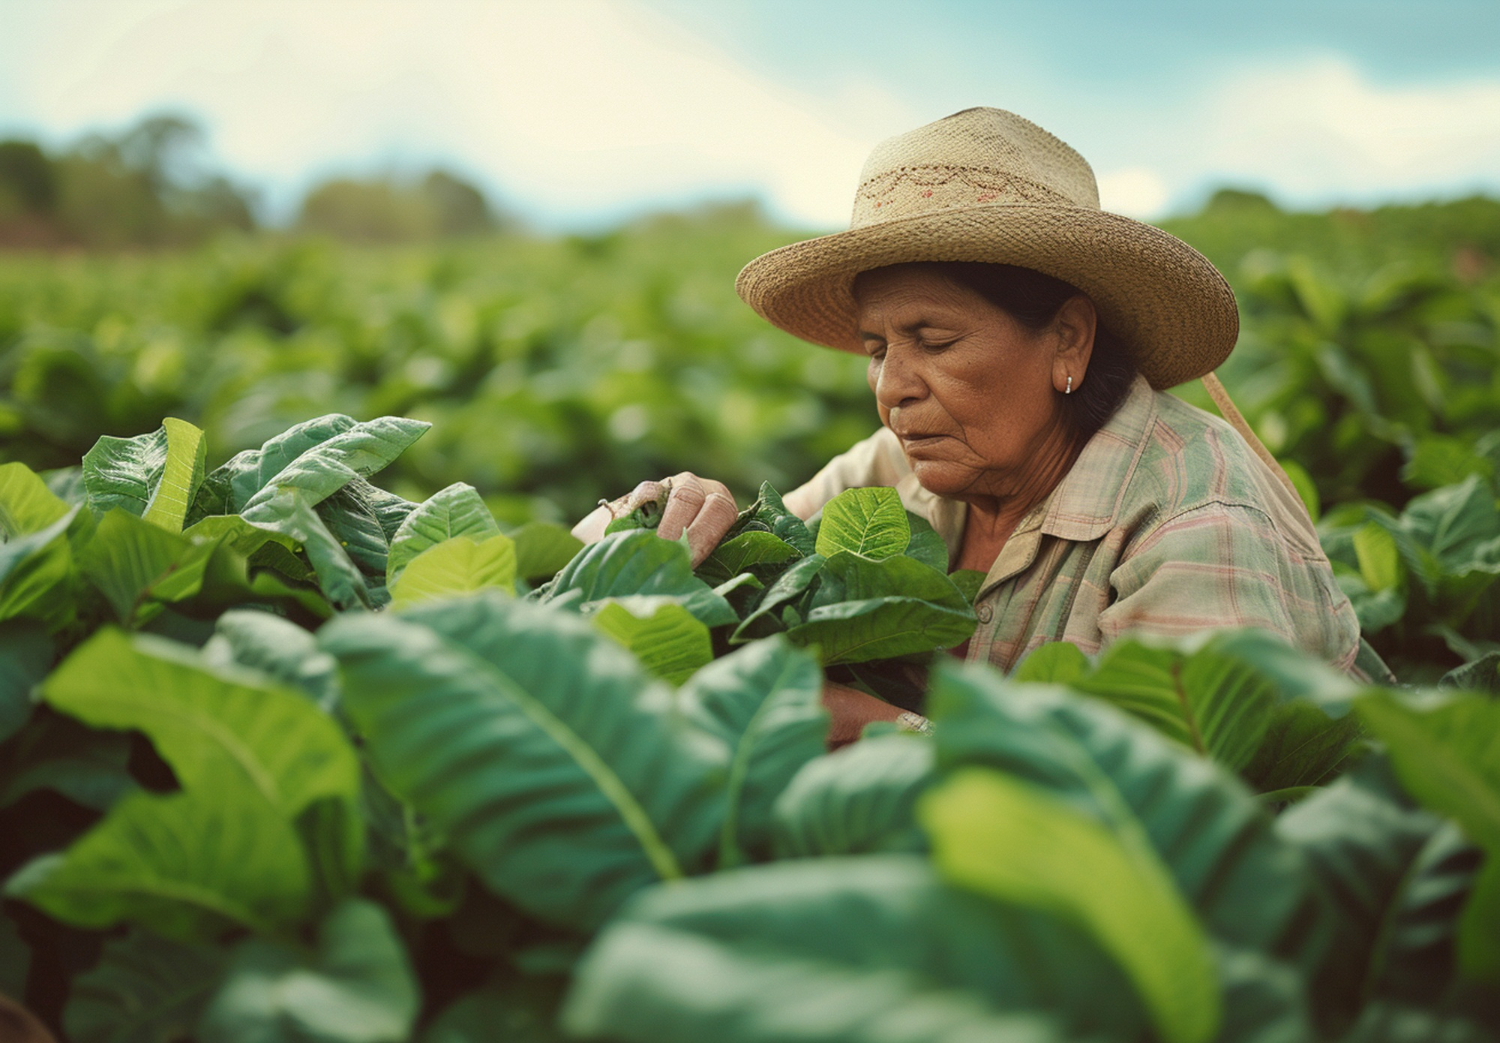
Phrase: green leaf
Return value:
(769, 510)
(25, 657)
(277, 648)
(542, 549)
(26, 504)
(1015, 842)
(356, 987)
(926, 545)
(1250, 889)
(1479, 925)
(871, 949)
(1215, 704)
(1056, 662)
(638, 562)
(765, 619)
(139, 566)
(969, 583)
(1362, 846)
(866, 609)
(523, 1012)
(290, 512)
(536, 746)
(124, 472)
(663, 635)
(736, 555)
(1379, 563)
(352, 521)
(1446, 751)
(457, 510)
(145, 989)
(870, 522)
(188, 865)
(455, 568)
(182, 473)
(37, 579)
(252, 760)
(213, 730)
(860, 799)
(764, 701)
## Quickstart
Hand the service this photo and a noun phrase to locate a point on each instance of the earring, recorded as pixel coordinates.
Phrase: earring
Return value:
(1069, 391)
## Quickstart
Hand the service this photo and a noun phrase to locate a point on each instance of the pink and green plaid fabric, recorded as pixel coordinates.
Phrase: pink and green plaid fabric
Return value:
(1167, 524)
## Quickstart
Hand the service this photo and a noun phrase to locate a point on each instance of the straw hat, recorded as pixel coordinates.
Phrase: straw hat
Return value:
(987, 185)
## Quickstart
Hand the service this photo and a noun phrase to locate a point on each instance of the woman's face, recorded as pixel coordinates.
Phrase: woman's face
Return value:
(972, 394)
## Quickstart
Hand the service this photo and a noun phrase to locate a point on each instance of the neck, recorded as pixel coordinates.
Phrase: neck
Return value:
(994, 514)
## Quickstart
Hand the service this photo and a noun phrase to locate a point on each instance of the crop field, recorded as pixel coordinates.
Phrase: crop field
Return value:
(316, 723)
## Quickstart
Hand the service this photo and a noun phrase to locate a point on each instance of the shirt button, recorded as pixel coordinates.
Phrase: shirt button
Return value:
(985, 613)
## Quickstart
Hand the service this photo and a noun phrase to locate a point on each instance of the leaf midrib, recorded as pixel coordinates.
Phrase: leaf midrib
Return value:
(662, 860)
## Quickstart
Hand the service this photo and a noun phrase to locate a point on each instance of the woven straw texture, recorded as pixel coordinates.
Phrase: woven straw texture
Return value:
(987, 185)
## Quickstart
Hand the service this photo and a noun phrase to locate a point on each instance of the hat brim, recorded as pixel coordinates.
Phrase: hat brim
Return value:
(1163, 299)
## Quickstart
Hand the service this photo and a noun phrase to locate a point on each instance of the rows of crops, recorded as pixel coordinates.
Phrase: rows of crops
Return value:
(314, 728)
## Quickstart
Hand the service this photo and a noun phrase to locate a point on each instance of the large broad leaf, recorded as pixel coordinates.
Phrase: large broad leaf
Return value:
(290, 512)
(638, 562)
(858, 800)
(523, 1012)
(926, 545)
(542, 549)
(153, 476)
(254, 763)
(1362, 846)
(660, 633)
(1446, 750)
(278, 648)
(145, 989)
(139, 567)
(26, 504)
(869, 522)
(765, 702)
(25, 658)
(455, 568)
(356, 987)
(1251, 889)
(353, 521)
(188, 865)
(1013, 841)
(457, 510)
(736, 555)
(37, 578)
(849, 949)
(866, 609)
(537, 746)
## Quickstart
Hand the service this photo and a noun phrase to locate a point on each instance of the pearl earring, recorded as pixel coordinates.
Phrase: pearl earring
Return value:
(1069, 391)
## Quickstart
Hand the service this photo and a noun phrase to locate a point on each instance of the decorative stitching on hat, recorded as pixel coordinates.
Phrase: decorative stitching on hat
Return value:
(986, 185)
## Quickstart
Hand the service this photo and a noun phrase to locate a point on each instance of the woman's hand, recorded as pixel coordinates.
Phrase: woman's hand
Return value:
(702, 508)
(851, 710)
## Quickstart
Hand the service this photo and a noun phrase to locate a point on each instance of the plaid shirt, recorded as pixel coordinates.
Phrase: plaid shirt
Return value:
(1167, 524)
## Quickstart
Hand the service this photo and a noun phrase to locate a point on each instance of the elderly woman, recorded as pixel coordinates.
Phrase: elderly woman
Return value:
(1018, 340)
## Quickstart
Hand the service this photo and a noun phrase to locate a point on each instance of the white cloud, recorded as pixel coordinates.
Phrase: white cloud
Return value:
(1133, 191)
(587, 107)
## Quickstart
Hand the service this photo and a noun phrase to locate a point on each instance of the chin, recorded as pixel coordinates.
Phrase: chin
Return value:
(942, 478)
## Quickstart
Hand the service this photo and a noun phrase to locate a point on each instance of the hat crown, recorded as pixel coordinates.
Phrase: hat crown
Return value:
(977, 157)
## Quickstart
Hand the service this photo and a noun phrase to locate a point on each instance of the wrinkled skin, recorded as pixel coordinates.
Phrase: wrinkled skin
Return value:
(974, 397)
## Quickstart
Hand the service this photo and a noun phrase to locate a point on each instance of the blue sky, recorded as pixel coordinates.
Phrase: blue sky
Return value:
(580, 112)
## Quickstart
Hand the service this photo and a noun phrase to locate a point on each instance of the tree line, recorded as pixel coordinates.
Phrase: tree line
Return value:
(151, 185)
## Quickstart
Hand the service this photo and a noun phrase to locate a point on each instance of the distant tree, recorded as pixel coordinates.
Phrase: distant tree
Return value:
(28, 182)
(388, 209)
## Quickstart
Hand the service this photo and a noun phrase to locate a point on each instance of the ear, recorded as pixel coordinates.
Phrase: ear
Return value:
(1073, 341)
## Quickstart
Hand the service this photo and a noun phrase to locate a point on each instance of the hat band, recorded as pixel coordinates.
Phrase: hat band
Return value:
(906, 191)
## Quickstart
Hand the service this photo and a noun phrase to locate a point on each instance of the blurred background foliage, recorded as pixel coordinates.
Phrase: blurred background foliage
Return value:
(560, 369)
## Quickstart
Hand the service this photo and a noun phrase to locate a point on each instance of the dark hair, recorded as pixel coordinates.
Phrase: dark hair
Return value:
(1033, 300)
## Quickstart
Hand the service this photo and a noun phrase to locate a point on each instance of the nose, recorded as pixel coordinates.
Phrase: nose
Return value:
(897, 382)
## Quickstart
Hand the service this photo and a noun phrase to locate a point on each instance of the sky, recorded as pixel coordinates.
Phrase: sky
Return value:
(580, 113)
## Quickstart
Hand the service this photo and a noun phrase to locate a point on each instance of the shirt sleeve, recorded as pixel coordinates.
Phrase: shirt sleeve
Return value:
(876, 460)
(1225, 565)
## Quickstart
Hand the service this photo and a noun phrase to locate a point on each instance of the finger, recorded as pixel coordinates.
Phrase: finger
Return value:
(591, 528)
(683, 504)
(717, 515)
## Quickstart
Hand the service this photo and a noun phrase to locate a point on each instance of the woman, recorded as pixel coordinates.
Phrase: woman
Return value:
(1018, 339)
